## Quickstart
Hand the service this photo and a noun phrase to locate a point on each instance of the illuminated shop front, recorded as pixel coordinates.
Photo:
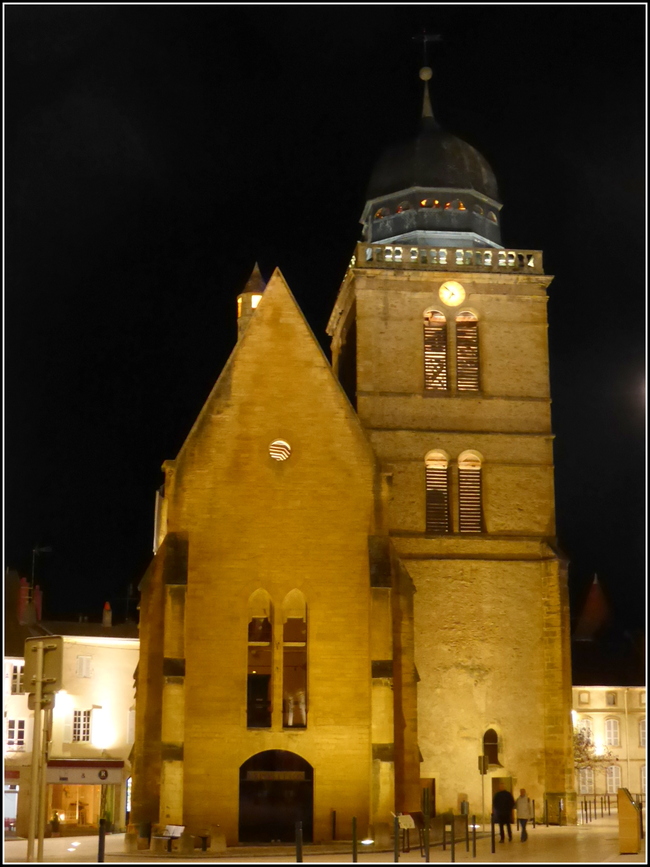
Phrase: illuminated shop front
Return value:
(81, 792)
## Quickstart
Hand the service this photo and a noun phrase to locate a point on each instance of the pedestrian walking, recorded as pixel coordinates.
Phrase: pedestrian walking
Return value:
(524, 810)
(502, 806)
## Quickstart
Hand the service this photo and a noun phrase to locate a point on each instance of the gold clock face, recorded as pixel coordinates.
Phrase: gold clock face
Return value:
(451, 293)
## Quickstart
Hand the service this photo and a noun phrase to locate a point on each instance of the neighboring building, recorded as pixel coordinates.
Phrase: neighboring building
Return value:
(356, 589)
(615, 719)
(93, 719)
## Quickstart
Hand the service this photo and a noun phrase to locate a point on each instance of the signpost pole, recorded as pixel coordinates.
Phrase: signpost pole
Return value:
(47, 728)
(36, 749)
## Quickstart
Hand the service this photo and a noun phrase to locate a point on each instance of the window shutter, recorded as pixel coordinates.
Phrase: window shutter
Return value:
(469, 494)
(435, 355)
(437, 500)
(67, 729)
(467, 354)
(130, 726)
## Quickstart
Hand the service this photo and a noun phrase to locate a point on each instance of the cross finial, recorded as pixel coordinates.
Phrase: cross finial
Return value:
(426, 38)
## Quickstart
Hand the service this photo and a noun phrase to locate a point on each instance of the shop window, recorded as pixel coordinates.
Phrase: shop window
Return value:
(435, 351)
(437, 493)
(294, 661)
(470, 496)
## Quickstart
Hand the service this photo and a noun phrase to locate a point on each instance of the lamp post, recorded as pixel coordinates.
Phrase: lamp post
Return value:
(38, 549)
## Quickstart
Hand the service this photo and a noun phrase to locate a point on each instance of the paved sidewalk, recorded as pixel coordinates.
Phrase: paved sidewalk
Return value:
(594, 843)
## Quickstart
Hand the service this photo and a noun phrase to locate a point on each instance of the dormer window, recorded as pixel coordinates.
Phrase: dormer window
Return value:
(429, 203)
(403, 206)
(381, 213)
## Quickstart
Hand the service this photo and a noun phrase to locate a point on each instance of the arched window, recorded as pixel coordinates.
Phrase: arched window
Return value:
(477, 210)
(613, 779)
(429, 203)
(437, 492)
(612, 733)
(470, 504)
(492, 217)
(585, 781)
(260, 660)
(586, 727)
(435, 351)
(466, 351)
(491, 747)
(294, 660)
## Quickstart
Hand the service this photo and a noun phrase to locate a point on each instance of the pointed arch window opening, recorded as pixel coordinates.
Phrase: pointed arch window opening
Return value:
(259, 686)
(470, 495)
(491, 747)
(467, 357)
(436, 376)
(437, 494)
(294, 661)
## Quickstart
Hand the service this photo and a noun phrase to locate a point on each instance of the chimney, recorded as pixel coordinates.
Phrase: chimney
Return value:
(23, 600)
(107, 616)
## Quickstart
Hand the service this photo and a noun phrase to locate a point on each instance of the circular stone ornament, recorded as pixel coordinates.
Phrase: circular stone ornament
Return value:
(279, 450)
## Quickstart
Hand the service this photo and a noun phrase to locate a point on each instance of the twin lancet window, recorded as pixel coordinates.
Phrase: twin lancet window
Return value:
(468, 494)
(436, 352)
(263, 660)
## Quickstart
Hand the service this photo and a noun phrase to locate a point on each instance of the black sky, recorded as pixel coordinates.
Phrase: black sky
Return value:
(153, 153)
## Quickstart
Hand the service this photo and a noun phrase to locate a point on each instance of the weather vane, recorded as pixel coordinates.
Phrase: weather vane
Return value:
(425, 38)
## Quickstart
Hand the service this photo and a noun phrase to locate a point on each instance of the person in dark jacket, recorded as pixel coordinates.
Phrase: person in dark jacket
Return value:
(502, 806)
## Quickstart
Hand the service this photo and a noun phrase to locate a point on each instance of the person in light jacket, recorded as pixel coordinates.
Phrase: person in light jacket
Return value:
(524, 810)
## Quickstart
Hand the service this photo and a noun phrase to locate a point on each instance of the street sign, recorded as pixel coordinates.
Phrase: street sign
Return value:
(48, 701)
(52, 663)
(483, 764)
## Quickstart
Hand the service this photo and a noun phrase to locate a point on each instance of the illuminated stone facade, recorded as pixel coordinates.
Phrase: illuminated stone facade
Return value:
(354, 597)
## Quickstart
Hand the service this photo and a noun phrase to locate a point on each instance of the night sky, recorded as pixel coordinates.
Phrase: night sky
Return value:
(154, 153)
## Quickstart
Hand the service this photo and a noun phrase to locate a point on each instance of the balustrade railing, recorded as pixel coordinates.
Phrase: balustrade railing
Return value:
(490, 259)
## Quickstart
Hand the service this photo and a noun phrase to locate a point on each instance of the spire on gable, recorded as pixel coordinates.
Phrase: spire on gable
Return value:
(249, 298)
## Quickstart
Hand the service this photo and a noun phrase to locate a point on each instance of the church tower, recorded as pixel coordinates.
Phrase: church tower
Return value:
(439, 336)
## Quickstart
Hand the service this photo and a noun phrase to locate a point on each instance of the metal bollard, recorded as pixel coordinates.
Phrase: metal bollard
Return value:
(641, 835)
(609, 809)
(602, 811)
(102, 840)
(474, 836)
(427, 824)
(493, 841)
(354, 839)
(533, 812)
(546, 810)
(333, 824)
(396, 841)
(559, 813)
(453, 838)
(299, 842)
(467, 832)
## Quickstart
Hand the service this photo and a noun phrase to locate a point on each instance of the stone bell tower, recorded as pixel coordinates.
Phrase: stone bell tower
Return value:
(439, 336)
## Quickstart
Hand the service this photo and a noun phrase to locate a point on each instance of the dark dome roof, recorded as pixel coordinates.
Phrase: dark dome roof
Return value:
(434, 158)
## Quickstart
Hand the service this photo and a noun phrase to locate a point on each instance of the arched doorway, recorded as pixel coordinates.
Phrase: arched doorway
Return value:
(276, 790)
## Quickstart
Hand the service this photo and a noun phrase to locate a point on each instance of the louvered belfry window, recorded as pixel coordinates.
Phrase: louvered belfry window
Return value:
(467, 352)
(470, 506)
(437, 497)
(435, 351)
